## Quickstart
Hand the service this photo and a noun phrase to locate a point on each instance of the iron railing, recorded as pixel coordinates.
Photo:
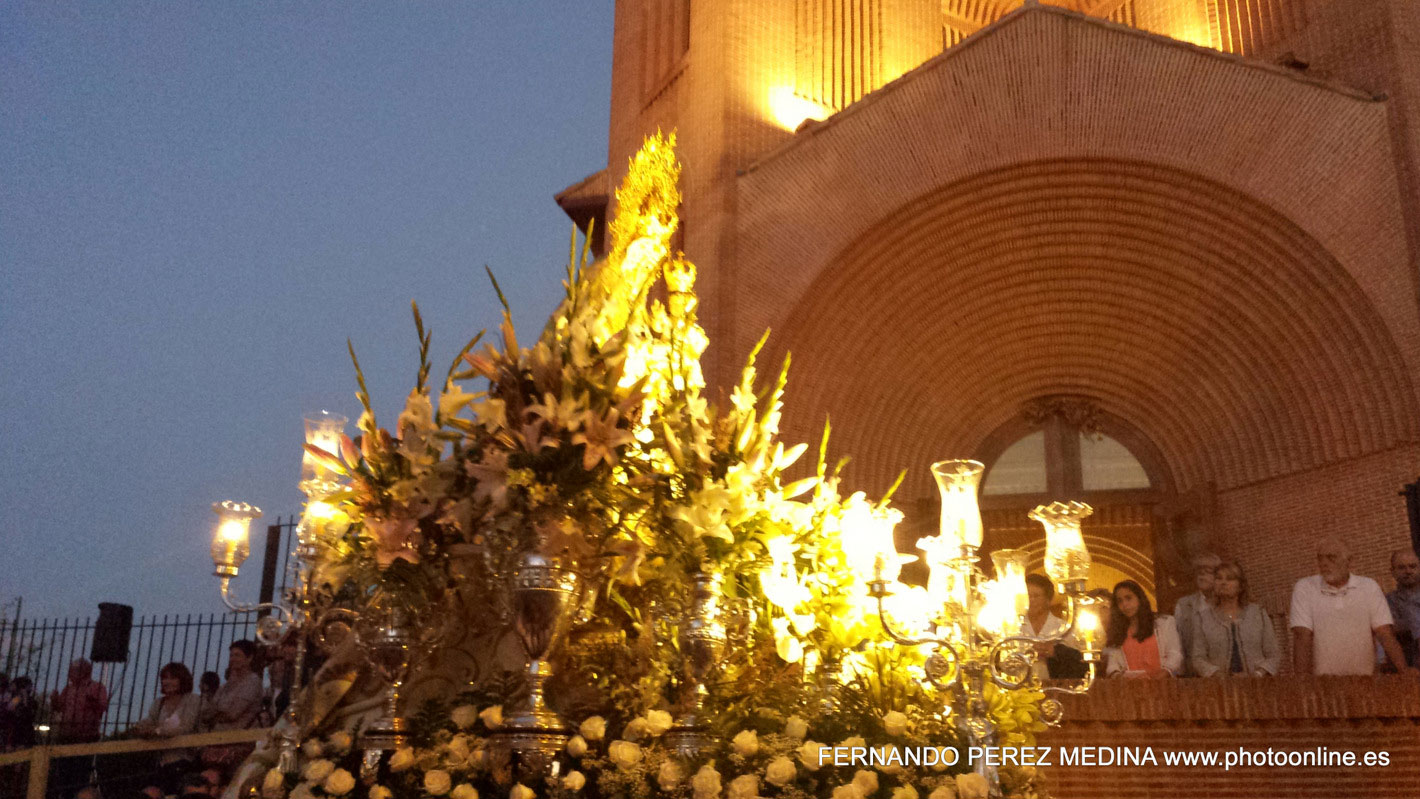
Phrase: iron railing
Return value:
(42, 649)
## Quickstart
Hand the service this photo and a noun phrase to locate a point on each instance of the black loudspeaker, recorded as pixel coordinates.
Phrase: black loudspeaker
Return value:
(111, 633)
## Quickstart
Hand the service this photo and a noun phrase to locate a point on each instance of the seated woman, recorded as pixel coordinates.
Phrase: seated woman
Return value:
(1232, 636)
(236, 704)
(173, 713)
(1139, 643)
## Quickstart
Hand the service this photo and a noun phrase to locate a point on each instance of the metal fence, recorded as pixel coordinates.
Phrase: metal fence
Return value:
(42, 649)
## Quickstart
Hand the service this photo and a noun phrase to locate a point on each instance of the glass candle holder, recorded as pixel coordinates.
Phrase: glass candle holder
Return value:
(231, 536)
(1066, 558)
(323, 431)
(957, 481)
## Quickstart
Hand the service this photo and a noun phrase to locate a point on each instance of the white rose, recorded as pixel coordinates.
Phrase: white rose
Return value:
(669, 776)
(463, 791)
(577, 746)
(780, 771)
(810, 754)
(574, 781)
(635, 729)
(971, 786)
(437, 782)
(849, 791)
(658, 721)
(593, 728)
(746, 744)
(339, 783)
(856, 740)
(882, 755)
(867, 781)
(492, 717)
(706, 783)
(380, 792)
(796, 728)
(464, 716)
(273, 785)
(402, 759)
(340, 742)
(624, 753)
(460, 745)
(895, 722)
(944, 757)
(521, 791)
(944, 792)
(317, 770)
(904, 792)
(311, 749)
(302, 791)
(745, 786)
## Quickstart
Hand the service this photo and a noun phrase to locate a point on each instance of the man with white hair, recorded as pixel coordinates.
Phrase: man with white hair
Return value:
(1337, 616)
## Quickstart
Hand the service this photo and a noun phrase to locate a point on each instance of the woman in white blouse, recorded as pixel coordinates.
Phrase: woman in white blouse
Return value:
(173, 713)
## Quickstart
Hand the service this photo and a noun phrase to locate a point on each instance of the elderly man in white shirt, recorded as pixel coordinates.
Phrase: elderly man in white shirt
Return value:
(1336, 615)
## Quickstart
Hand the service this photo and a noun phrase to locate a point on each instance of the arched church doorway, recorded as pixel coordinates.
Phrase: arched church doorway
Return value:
(1068, 448)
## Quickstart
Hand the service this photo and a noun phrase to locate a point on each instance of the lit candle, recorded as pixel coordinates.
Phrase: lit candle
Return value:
(998, 614)
(1087, 625)
(1011, 574)
(943, 586)
(868, 541)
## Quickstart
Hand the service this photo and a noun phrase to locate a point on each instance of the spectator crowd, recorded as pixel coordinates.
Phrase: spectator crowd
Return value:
(184, 706)
(1341, 624)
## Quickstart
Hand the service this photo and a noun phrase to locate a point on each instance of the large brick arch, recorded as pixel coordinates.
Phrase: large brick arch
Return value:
(1213, 248)
(1223, 331)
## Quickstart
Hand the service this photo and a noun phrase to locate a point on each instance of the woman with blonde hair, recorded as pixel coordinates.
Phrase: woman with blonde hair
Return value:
(1232, 636)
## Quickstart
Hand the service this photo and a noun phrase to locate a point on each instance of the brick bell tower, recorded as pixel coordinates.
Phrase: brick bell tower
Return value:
(737, 78)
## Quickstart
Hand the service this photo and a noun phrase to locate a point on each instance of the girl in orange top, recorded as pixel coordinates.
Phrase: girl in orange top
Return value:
(1139, 643)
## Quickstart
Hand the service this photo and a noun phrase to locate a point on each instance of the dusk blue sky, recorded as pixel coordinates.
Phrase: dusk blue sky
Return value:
(200, 202)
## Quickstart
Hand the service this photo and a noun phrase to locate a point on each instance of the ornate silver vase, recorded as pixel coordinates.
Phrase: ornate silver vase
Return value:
(544, 598)
(702, 642)
(388, 637)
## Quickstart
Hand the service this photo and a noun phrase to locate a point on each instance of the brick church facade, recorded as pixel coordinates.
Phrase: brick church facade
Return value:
(1160, 255)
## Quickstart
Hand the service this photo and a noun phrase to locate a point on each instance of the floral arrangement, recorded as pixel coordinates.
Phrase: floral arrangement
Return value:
(596, 447)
